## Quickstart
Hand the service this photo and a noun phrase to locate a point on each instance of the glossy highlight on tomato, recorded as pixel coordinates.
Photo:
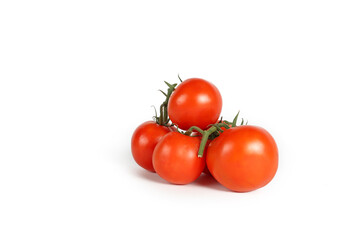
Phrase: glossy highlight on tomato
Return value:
(144, 140)
(243, 158)
(240, 157)
(195, 102)
(176, 160)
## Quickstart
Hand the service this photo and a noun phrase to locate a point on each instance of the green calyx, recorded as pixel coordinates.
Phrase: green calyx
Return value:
(213, 131)
(163, 118)
(234, 122)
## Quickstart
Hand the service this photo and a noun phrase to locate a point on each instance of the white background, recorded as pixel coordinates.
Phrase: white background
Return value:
(77, 77)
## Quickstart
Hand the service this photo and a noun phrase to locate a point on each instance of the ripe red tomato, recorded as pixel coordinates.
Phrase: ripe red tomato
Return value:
(176, 160)
(144, 140)
(243, 158)
(195, 102)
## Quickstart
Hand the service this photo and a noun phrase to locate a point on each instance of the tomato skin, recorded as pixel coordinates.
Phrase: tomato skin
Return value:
(243, 158)
(176, 160)
(144, 140)
(195, 102)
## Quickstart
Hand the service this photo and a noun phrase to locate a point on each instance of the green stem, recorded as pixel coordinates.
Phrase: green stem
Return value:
(213, 128)
(204, 140)
(223, 125)
(164, 118)
(206, 134)
(189, 131)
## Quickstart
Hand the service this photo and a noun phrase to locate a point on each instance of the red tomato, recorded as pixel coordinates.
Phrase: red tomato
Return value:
(176, 159)
(144, 140)
(195, 102)
(243, 158)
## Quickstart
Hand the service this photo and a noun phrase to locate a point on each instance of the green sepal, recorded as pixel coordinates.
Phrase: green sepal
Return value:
(235, 120)
(163, 92)
(179, 77)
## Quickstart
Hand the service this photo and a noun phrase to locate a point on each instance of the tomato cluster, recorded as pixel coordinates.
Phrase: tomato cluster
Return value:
(241, 158)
